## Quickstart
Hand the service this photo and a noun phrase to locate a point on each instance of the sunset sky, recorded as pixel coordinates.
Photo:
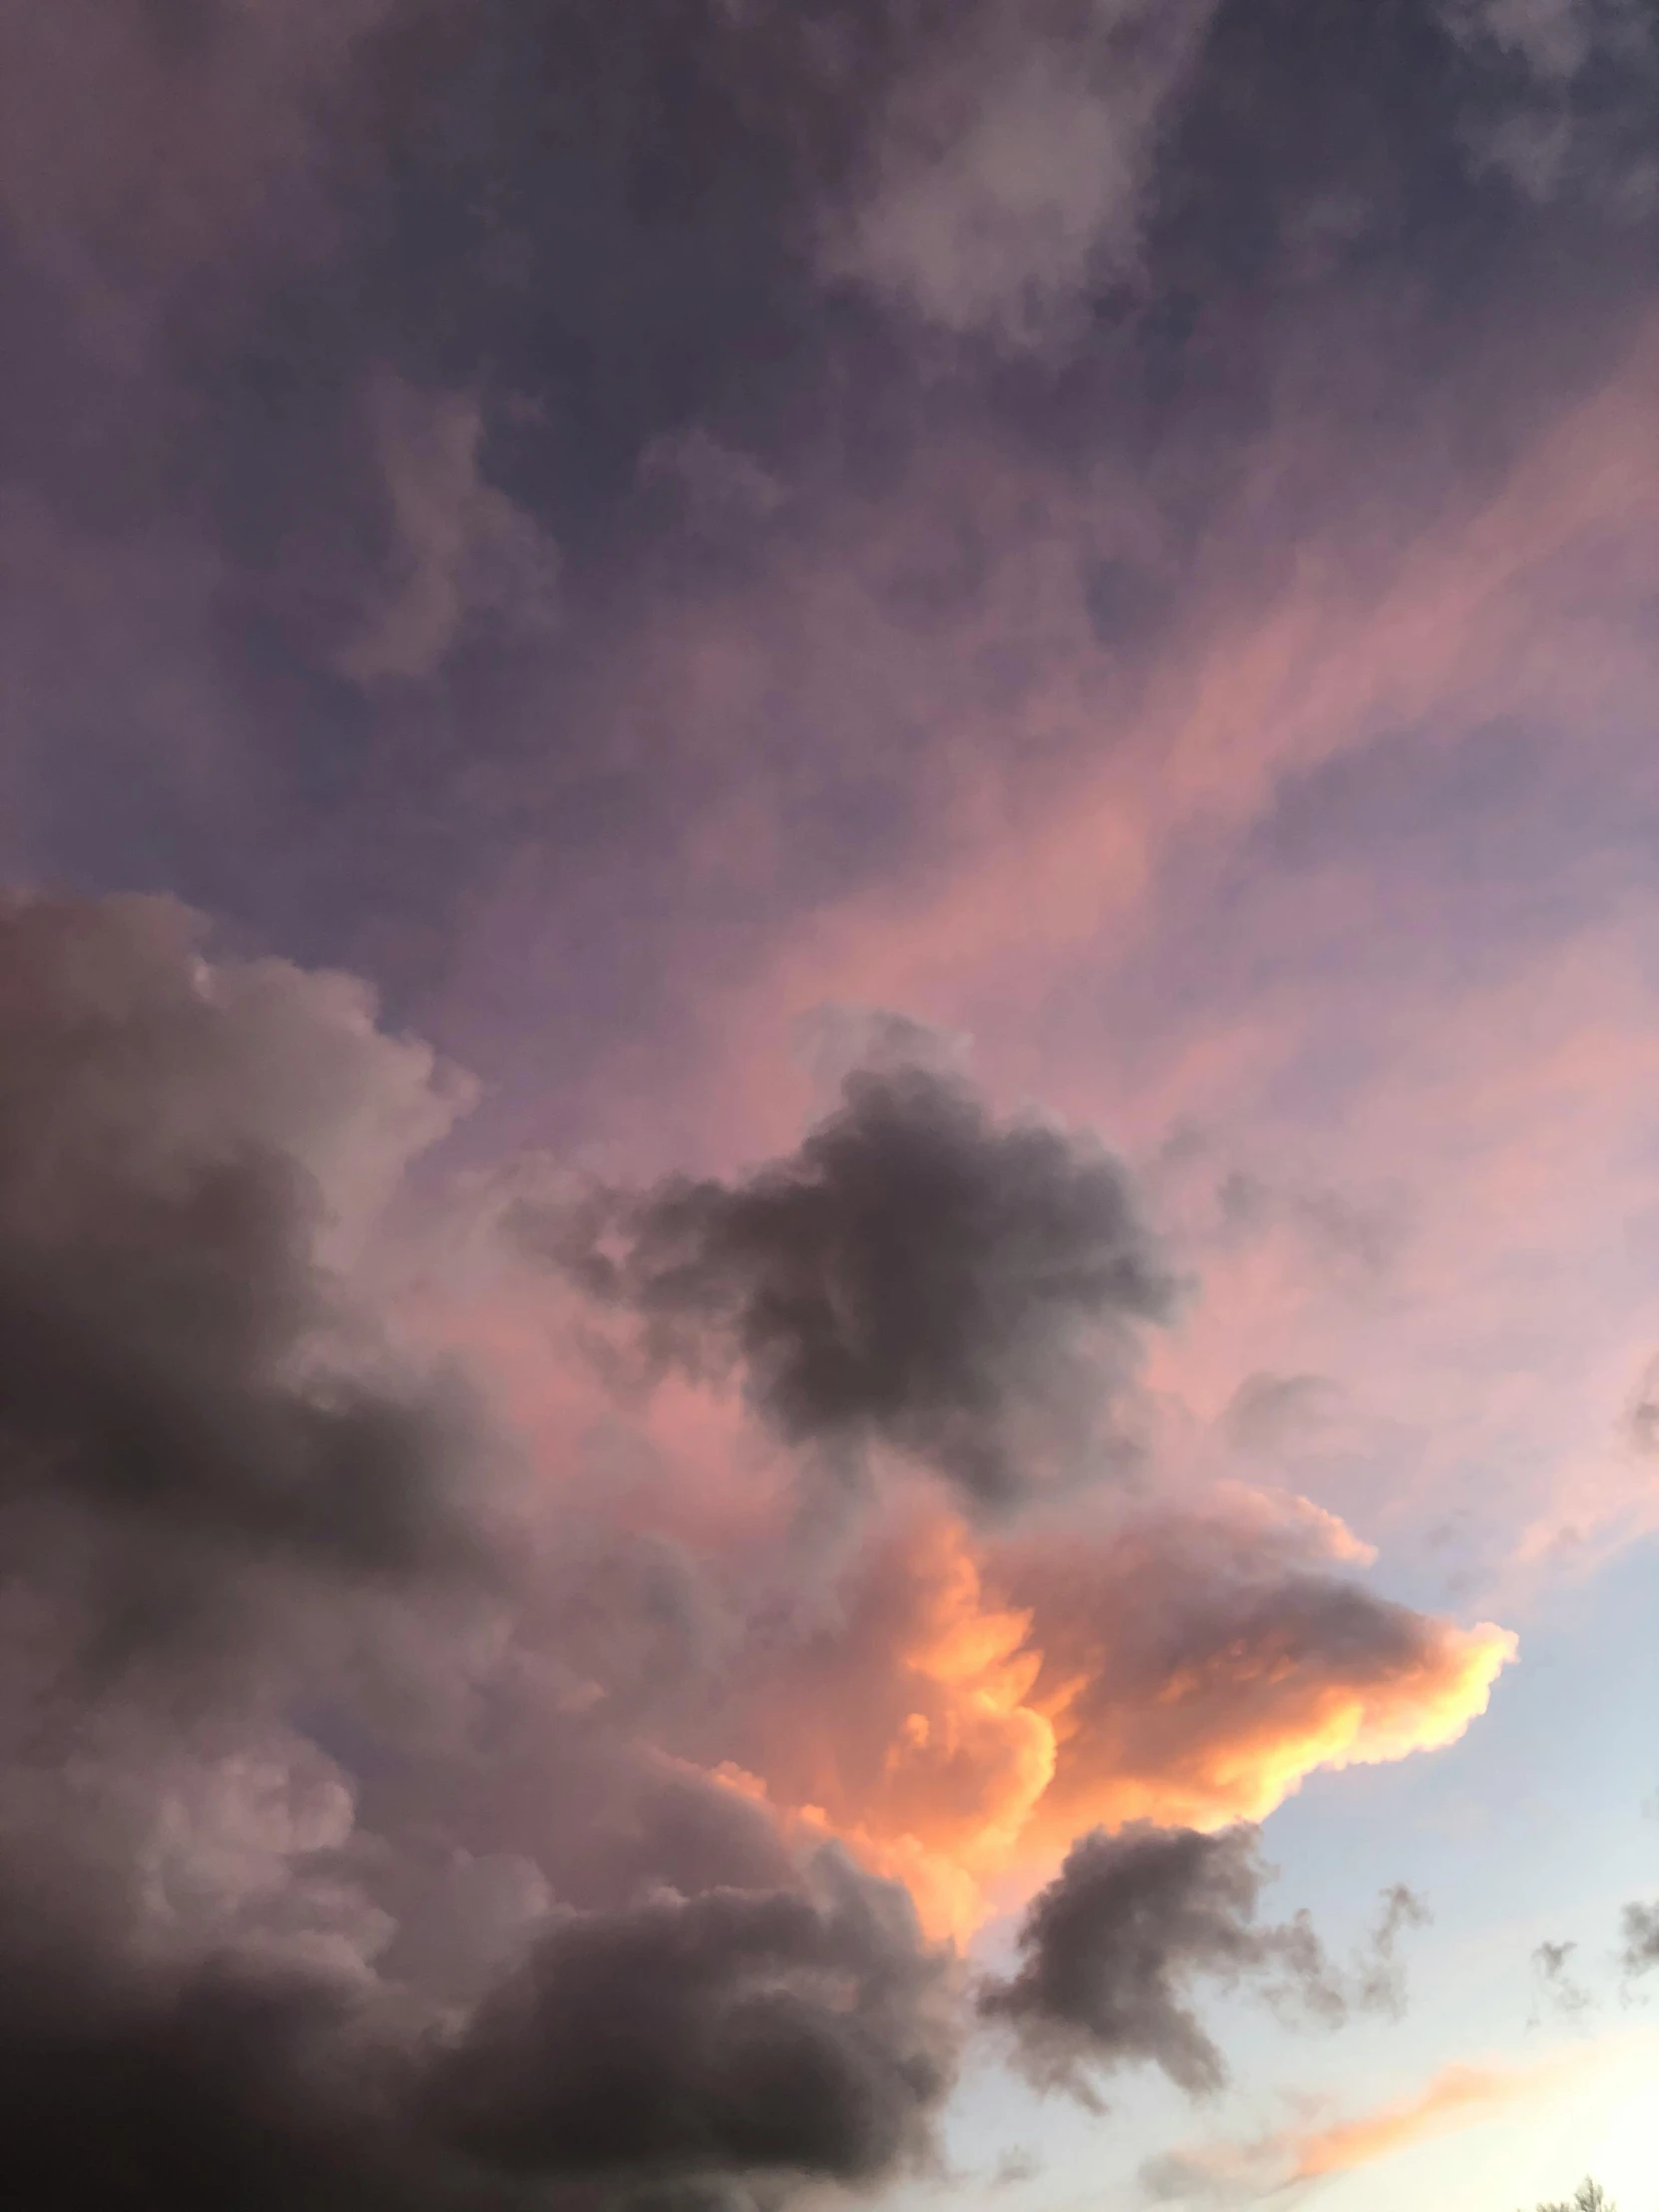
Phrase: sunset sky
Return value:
(828, 1104)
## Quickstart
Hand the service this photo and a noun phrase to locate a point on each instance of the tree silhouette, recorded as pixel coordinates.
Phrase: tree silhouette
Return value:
(1589, 2196)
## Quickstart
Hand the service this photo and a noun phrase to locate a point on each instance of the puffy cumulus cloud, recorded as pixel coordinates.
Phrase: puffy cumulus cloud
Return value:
(959, 1708)
(897, 1717)
(188, 1156)
(1111, 1949)
(211, 2001)
(1003, 178)
(919, 1274)
(175, 1840)
(1200, 1665)
(691, 2046)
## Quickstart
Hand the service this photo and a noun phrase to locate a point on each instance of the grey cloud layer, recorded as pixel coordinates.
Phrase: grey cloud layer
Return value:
(338, 511)
(967, 1291)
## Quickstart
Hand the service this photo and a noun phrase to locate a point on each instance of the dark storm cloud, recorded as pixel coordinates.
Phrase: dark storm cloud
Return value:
(1110, 1952)
(733, 2032)
(218, 2088)
(965, 1290)
(683, 2045)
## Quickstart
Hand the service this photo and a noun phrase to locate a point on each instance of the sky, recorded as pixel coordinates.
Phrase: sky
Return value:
(828, 1005)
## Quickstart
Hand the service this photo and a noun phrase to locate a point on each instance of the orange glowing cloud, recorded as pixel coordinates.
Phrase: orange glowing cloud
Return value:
(1459, 2097)
(971, 1709)
(1195, 1677)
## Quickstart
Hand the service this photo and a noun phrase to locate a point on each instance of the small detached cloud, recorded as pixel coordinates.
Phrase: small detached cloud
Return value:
(1110, 1952)
(1639, 1950)
(1555, 1988)
(965, 1290)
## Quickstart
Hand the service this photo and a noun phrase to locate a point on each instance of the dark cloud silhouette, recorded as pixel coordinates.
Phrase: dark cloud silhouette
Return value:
(730, 2033)
(681, 2045)
(1111, 1949)
(219, 2087)
(967, 1291)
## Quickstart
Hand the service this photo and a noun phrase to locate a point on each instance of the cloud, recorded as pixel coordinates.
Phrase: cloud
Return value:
(1203, 1663)
(1582, 76)
(1241, 2172)
(958, 1707)
(621, 1866)
(682, 2046)
(244, 105)
(1268, 1412)
(1640, 1950)
(1556, 1990)
(464, 564)
(1381, 1985)
(1003, 177)
(402, 1911)
(967, 1291)
(714, 2037)
(184, 1150)
(1111, 1949)
(1556, 39)
(1459, 2096)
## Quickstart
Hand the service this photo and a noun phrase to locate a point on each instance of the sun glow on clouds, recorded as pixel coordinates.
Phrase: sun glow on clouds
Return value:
(990, 1734)
(1459, 2097)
